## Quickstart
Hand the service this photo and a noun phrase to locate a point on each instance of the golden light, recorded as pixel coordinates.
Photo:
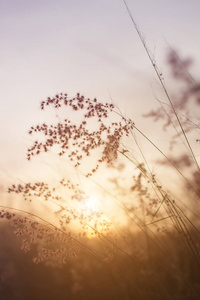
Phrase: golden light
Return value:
(92, 204)
(98, 222)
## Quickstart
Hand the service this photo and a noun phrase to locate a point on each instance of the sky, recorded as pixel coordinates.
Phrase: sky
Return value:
(91, 47)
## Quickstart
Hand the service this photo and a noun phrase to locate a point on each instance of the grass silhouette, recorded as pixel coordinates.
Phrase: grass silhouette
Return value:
(156, 254)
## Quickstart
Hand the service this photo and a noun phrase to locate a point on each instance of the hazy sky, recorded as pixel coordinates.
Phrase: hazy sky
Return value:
(86, 46)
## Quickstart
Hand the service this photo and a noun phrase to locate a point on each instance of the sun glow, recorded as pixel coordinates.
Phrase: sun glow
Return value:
(98, 223)
(92, 204)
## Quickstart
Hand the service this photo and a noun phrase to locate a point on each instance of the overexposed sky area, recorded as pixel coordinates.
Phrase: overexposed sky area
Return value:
(86, 46)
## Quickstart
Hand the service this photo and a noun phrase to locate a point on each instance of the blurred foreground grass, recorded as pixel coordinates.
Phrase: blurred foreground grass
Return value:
(84, 277)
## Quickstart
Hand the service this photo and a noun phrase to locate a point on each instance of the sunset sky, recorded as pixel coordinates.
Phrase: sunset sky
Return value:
(86, 46)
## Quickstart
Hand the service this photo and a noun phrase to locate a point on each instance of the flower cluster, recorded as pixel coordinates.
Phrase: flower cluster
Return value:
(76, 141)
(64, 213)
(53, 243)
(30, 190)
(79, 140)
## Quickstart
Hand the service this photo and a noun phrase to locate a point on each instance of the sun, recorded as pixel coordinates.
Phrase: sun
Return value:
(97, 223)
(92, 204)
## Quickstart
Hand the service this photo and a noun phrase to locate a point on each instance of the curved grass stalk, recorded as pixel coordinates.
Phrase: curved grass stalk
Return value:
(119, 113)
(153, 63)
(81, 245)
